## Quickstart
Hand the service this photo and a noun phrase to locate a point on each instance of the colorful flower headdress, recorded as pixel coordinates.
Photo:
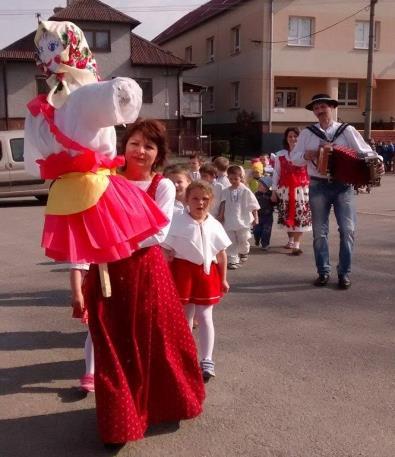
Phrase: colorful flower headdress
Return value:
(74, 64)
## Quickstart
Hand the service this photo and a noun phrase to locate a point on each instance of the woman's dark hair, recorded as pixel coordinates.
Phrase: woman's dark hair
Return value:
(152, 130)
(289, 129)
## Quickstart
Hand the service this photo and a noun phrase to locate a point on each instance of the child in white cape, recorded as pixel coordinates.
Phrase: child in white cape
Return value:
(198, 243)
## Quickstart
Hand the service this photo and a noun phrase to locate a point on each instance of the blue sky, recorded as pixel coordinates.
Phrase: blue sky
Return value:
(17, 17)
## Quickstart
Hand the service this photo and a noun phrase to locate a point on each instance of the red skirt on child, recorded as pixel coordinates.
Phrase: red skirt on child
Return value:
(146, 367)
(194, 285)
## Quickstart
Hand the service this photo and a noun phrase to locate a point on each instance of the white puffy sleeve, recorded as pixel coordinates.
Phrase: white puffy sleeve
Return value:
(276, 172)
(39, 143)
(297, 153)
(105, 104)
(356, 141)
(165, 197)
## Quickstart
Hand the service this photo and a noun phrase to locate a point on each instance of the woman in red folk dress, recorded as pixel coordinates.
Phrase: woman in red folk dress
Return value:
(291, 192)
(146, 367)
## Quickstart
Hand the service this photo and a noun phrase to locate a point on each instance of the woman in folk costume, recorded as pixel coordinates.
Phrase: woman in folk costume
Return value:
(291, 191)
(146, 367)
(197, 243)
(92, 215)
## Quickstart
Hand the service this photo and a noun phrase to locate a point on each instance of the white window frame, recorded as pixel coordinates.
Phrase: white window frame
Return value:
(210, 49)
(236, 39)
(285, 91)
(349, 102)
(235, 86)
(297, 34)
(188, 54)
(364, 42)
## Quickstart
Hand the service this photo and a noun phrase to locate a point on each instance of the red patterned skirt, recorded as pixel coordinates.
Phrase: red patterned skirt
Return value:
(146, 367)
(194, 285)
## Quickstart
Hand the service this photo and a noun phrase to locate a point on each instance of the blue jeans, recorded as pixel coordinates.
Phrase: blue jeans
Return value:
(263, 230)
(323, 195)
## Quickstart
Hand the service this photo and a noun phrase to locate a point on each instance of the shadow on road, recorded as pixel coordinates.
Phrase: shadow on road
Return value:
(56, 297)
(20, 203)
(30, 341)
(64, 434)
(22, 379)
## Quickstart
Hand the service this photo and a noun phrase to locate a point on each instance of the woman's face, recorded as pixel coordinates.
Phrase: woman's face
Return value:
(140, 152)
(292, 138)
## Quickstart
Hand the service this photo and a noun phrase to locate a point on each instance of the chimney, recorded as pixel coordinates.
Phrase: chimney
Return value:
(57, 9)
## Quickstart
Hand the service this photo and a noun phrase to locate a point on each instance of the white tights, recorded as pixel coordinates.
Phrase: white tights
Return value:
(204, 316)
(89, 355)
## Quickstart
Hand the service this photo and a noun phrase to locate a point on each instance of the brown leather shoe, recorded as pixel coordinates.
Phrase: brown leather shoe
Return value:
(344, 282)
(322, 280)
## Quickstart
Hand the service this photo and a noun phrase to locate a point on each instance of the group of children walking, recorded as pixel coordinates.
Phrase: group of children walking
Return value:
(215, 215)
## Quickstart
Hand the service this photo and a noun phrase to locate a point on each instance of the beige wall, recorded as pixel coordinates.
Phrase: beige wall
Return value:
(319, 68)
(333, 53)
(245, 67)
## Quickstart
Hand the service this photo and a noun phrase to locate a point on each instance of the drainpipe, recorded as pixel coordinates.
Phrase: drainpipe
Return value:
(179, 73)
(271, 64)
(5, 89)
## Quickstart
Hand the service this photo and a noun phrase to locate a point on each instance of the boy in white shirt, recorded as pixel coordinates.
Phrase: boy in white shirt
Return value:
(208, 173)
(222, 165)
(180, 178)
(195, 162)
(239, 208)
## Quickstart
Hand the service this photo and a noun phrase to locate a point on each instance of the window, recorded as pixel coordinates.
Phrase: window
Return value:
(286, 97)
(210, 49)
(300, 31)
(17, 149)
(188, 54)
(146, 86)
(41, 85)
(210, 99)
(362, 35)
(348, 93)
(236, 94)
(235, 32)
(98, 40)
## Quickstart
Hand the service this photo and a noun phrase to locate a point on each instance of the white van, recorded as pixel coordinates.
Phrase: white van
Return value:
(14, 181)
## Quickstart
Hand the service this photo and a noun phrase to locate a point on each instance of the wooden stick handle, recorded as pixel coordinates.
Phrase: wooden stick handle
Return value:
(105, 280)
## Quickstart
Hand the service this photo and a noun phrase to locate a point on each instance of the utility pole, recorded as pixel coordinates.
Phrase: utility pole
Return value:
(369, 78)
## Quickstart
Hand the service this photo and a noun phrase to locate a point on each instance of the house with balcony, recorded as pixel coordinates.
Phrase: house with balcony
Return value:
(118, 52)
(267, 58)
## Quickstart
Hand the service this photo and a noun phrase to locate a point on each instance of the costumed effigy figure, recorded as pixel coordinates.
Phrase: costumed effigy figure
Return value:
(92, 215)
(146, 368)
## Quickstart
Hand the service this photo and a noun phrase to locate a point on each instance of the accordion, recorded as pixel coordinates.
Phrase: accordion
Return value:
(341, 163)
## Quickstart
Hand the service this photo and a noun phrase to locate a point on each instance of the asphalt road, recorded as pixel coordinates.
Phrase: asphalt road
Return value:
(301, 371)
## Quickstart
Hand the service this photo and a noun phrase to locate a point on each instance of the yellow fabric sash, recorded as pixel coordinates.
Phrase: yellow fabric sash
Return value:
(76, 192)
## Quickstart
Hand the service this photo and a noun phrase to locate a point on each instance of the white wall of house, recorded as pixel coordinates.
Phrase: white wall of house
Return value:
(164, 90)
(21, 87)
(116, 62)
(21, 77)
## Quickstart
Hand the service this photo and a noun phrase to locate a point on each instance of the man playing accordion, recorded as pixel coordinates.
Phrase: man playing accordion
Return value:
(326, 192)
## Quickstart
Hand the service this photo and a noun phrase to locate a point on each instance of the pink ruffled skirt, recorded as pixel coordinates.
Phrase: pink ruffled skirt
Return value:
(106, 232)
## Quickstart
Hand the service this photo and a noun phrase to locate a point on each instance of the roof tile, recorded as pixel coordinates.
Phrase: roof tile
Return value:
(144, 52)
(195, 18)
(92, 11)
